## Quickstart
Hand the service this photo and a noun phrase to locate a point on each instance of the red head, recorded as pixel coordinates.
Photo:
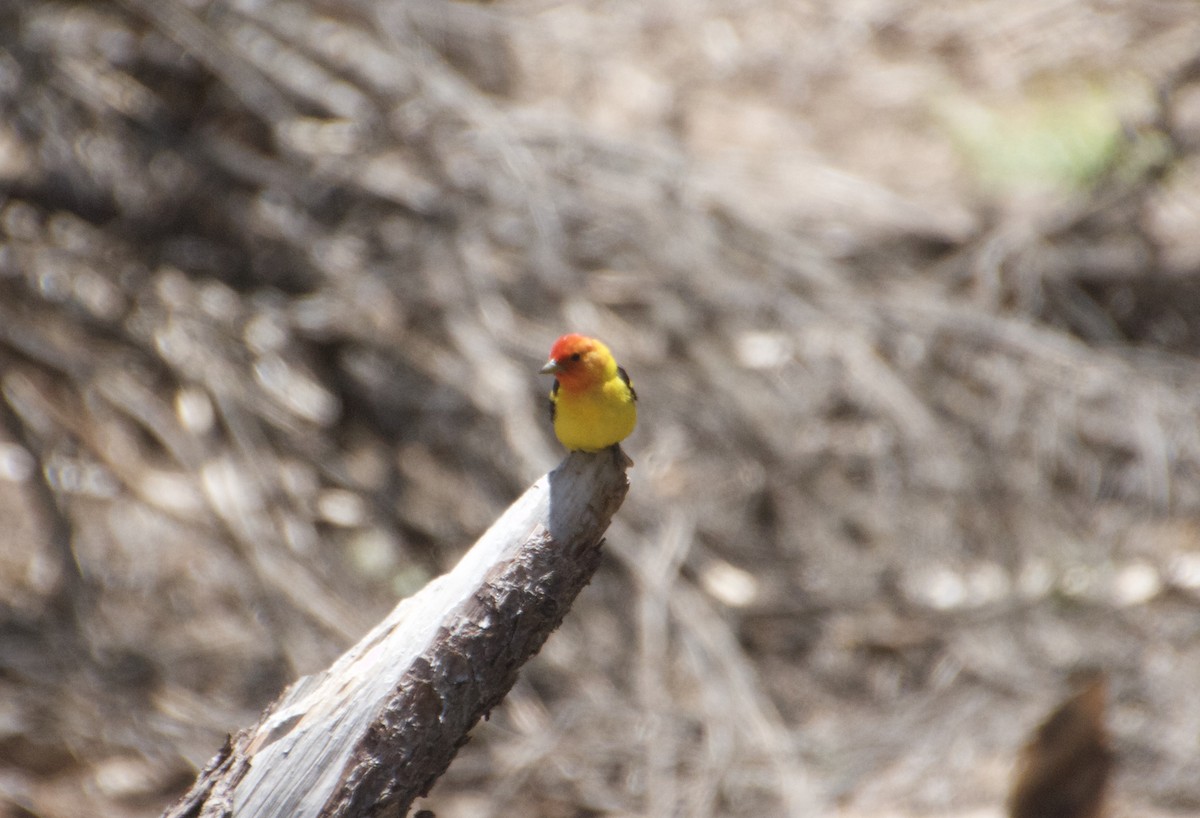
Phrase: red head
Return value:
(579, 362)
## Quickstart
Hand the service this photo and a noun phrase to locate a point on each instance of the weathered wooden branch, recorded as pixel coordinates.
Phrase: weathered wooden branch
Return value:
(373, 732)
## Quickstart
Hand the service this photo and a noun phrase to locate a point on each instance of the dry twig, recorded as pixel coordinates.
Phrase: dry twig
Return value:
(372, 733)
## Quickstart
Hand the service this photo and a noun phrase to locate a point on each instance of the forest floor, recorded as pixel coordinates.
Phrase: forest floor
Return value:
(910, 293)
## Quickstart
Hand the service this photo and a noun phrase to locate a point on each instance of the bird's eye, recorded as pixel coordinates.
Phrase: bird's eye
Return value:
(577, 356)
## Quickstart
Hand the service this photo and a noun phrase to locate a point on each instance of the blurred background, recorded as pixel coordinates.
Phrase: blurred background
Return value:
(910, 292)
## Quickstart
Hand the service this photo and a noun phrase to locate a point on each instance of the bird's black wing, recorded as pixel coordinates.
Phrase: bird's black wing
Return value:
(553, 396)
(623, 375)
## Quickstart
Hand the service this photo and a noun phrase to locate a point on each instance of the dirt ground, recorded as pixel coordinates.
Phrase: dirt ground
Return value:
(910, 293)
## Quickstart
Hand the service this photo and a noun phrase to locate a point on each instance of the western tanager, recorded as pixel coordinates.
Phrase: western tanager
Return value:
(592, 403)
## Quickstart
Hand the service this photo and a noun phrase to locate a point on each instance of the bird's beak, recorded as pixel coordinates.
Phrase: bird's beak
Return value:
(551, 368)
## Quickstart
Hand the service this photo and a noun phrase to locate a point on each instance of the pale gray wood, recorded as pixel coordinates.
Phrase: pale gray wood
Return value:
(374, 731)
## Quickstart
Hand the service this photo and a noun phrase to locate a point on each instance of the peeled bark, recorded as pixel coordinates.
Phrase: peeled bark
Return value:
(373, 732)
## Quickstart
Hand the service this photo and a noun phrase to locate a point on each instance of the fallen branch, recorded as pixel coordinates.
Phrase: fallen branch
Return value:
(373, 732)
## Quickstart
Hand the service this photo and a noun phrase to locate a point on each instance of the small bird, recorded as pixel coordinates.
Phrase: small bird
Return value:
(592, 402)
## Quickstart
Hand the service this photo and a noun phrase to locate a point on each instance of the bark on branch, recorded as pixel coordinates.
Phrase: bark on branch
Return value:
(373, 732)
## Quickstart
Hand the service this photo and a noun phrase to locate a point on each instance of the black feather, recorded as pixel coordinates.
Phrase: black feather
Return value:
(623, 375)
(553, 395)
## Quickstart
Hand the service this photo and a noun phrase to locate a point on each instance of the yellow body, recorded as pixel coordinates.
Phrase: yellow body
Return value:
(596, 418)
(593, 403)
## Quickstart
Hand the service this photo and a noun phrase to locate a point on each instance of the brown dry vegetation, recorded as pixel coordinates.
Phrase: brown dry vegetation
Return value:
(910, 291)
